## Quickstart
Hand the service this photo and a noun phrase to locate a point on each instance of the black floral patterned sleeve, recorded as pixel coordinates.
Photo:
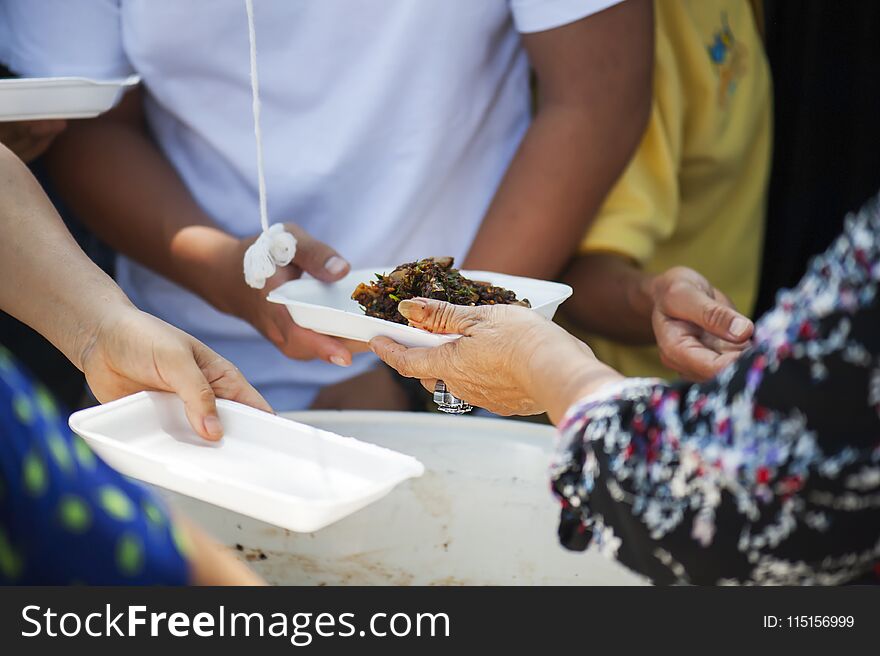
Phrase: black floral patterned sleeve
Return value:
(769, 473)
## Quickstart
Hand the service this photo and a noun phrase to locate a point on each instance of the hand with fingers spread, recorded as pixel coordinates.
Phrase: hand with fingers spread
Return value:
(509, 360)
(696, 326)
(273, 321)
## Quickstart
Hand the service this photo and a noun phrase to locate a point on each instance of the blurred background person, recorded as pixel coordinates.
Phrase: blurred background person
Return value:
(684, 223)
(826, 154)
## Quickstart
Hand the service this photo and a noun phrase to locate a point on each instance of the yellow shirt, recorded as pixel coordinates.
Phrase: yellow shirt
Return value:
(694, 193)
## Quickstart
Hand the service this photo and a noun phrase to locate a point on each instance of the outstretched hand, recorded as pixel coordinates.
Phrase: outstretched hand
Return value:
(132, 351)
(509, 360)
(696, 326)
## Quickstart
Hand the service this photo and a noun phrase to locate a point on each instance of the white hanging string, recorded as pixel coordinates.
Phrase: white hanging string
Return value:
(258, 129)
(274, 247)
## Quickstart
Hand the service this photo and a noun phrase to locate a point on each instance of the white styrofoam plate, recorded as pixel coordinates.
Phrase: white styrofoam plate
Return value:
(266, 467)
(328, 308)
(43, 98)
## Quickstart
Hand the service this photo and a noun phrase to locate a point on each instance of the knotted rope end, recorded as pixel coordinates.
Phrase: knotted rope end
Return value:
(274, 248)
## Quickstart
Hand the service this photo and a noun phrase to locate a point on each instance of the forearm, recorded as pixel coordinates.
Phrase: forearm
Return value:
(211, 563)
(594, 78)
(558, 391)
(562, 370)
(133, 199)
(612, 298)
(48, 282)
(549, 196)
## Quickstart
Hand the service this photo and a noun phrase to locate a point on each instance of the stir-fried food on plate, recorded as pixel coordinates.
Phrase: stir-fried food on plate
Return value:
(432, 277)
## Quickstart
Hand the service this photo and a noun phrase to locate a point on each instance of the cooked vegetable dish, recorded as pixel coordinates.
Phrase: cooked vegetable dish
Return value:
(432, 277)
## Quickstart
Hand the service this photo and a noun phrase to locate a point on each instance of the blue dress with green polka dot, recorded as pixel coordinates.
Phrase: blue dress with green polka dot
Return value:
(66, 517)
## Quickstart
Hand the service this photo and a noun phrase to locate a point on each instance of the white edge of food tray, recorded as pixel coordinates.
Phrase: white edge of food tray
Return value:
(410, 466)
(498, 279)
(129, 81)
(21, 83)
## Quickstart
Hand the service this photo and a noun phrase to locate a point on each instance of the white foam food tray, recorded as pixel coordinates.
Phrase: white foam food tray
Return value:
(328, 308)
(35, 99)
(266, 467)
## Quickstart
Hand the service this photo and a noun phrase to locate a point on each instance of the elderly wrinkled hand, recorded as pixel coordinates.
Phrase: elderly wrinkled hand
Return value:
(696, 326)
(509, 360)
(132, 351)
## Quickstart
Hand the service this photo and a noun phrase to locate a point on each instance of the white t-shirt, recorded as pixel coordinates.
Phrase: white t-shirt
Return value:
(4, 37)
(388, 125)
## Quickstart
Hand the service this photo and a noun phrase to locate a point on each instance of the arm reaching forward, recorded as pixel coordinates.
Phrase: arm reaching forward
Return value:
(52, 286)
